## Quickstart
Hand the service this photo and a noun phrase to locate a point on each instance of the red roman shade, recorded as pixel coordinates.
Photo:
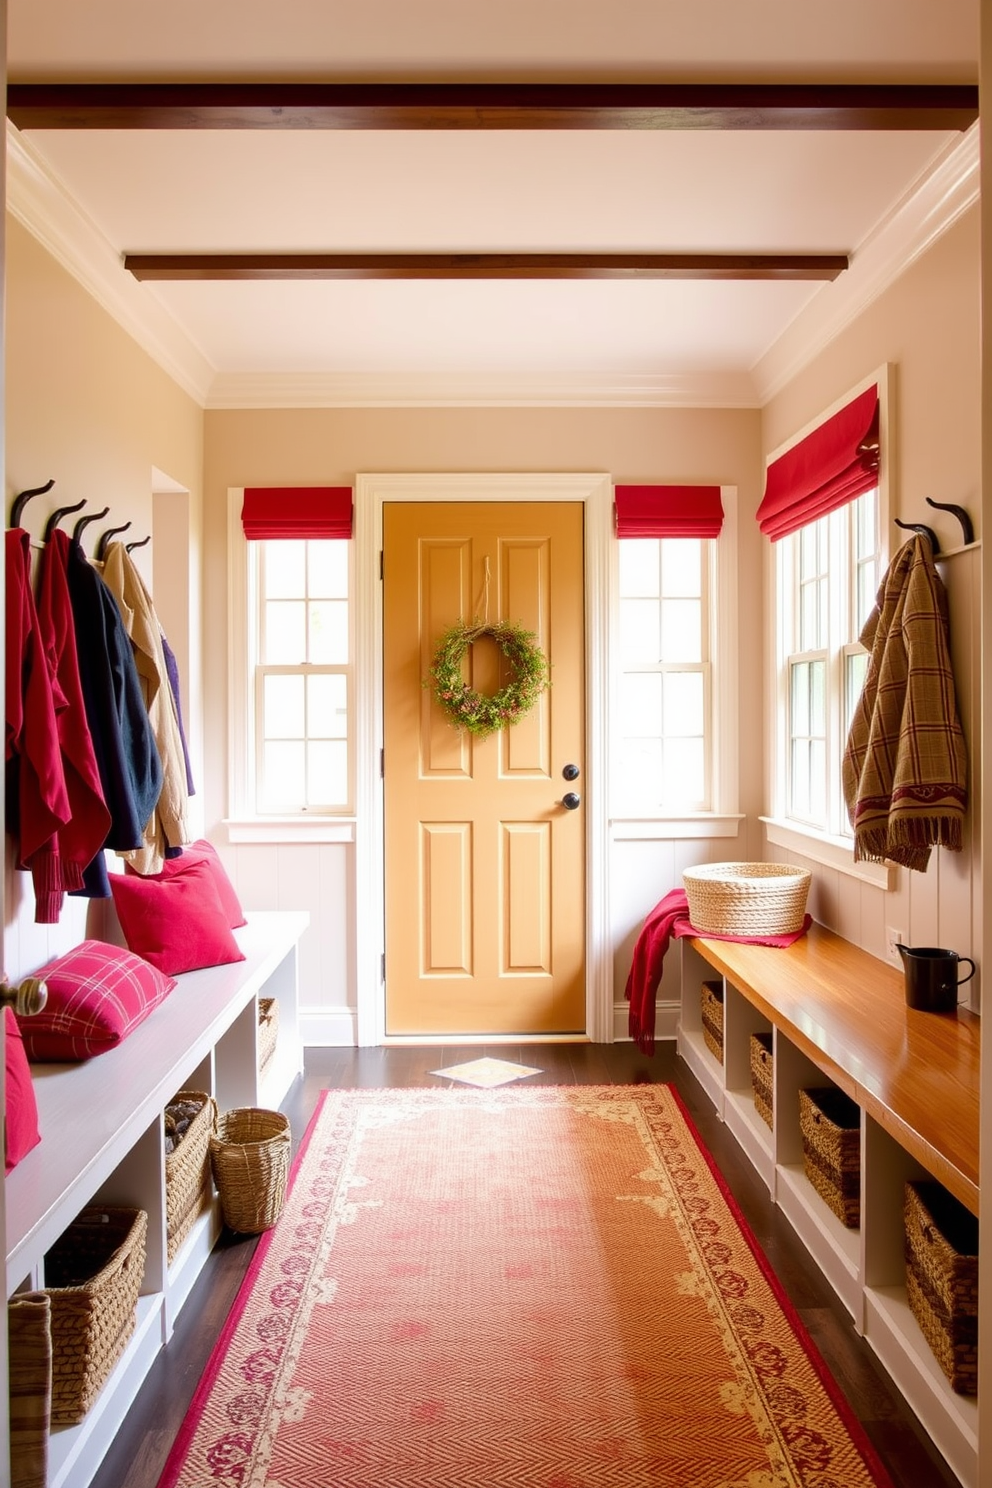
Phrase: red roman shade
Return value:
(668, 511)
(296, 512)
(830, 467)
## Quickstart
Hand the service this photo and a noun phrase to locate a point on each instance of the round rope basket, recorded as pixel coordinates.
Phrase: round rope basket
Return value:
(747, 899)
(249, 1153)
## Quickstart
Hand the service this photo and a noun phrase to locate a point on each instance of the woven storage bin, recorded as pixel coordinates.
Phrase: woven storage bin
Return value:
(189, 1189)
(268, 1029)
(830, 1123)
(746, 898)
(29, 1338)
(250, 1156)
(93, 1276)
(711, 1006)
(761, 1074)
(942, 1279)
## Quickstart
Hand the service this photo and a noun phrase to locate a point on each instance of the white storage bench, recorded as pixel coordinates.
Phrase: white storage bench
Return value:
(103, 1140)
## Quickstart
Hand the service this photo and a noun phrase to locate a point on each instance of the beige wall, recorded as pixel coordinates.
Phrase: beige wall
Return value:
(927, 325)
(84, 404)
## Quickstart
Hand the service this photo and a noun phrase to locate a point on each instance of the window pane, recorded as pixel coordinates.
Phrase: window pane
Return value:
(799, 780)
(640, 704)
(818, 782)
(327, 707)
(683, 778)
(810, 634)
(284, 570)
(283, 781)
(681, 630)
(683, 698)
(282, 708)
(328, 631)
(799, 713)
(327, 569)
(285, 633)
(640, 773)
(639, 569)
(639, 638)
(818, 699)
(681, 566)
(328, 774)
(857, 670)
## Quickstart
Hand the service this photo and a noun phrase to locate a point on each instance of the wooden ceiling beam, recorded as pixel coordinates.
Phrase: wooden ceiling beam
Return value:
(311, 266)
(455, 106)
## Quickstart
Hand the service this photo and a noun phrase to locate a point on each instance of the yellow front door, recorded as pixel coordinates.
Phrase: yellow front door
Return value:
(484, 864)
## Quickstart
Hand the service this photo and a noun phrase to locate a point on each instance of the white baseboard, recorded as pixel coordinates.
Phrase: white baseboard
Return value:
(666, 1016)
(329, 1028)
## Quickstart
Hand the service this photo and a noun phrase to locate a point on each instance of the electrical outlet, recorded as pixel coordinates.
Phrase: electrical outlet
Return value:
(893, 939)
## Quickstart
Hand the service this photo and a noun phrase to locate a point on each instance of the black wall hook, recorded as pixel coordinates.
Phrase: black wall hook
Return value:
(58, 514)
(105, 537)
(24, 497)
(967, 530)
(926, 532)
(84, 522)
(141, 544)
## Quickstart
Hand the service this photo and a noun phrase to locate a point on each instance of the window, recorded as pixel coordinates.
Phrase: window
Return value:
(828, 574)
(300, 665)
(664, 731)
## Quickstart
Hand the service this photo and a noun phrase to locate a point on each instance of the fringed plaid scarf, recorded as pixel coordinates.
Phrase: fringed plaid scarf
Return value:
(905, 768)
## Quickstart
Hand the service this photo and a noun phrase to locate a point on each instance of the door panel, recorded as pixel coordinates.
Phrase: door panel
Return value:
(484, 867)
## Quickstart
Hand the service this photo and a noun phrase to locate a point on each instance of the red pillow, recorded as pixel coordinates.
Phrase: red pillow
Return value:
(97, 995)
(179, 923)
(21, 1105)
(202, 852)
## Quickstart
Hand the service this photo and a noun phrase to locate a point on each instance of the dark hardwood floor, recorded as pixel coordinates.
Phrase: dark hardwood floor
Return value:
(142, 1445)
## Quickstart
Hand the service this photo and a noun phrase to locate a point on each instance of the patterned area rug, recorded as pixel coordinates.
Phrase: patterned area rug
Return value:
(542, 1287)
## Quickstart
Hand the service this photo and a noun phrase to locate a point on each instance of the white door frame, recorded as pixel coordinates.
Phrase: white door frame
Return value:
(596, 493)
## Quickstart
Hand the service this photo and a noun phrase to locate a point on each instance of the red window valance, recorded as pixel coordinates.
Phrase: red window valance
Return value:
(296, 512)
(830, 467)
(668, 511)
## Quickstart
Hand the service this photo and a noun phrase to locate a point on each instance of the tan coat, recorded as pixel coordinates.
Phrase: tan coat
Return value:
(167, 825)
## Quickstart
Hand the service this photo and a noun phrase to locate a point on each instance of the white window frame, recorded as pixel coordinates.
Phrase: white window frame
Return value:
(723, 816)
(244, 823)
(831, 848)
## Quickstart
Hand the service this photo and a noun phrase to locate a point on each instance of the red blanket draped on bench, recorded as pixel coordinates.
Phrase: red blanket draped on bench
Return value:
(668, 919)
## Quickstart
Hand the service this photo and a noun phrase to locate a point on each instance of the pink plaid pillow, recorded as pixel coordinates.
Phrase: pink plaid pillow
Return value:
(97, 995)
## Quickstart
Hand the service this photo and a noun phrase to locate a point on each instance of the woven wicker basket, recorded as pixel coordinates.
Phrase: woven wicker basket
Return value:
(29, 1339)
(268, 1029)
(830, 1123)
(711, 1007)
(250, 1156)
(189, 1187)
(746, 898)
(941, 1242)
(93, 1276)
(762, 1068)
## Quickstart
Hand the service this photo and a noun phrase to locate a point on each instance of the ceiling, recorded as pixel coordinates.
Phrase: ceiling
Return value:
(595, 194)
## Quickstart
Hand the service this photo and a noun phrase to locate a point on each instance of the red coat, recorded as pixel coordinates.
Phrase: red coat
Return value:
(84, 835)
(37, 797)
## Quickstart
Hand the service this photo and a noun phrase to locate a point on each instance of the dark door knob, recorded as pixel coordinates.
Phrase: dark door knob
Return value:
(570, 772)
(571, 801)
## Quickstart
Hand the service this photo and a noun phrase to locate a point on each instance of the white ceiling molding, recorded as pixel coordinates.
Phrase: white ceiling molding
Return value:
(39, 201)
(472, 390)
(947, 192)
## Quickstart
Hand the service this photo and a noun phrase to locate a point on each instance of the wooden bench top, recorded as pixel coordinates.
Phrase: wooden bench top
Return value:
(915, 1073)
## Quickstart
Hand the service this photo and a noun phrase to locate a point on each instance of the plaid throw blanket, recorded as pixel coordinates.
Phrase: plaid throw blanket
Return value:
(904, 767)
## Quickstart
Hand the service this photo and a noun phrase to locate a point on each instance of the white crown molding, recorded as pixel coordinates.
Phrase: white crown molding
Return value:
(480, 390)
(949, 191)
(38, 200)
